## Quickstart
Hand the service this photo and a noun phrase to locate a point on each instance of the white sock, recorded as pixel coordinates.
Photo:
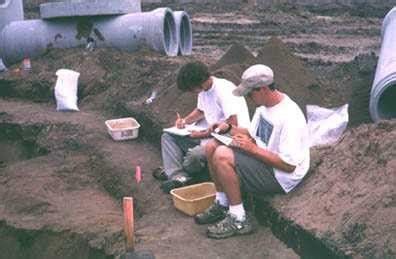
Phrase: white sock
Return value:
(238, 211)
(222, 199)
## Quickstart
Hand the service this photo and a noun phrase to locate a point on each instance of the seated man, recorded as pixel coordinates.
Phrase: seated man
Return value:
(216, 104)
(272, 156)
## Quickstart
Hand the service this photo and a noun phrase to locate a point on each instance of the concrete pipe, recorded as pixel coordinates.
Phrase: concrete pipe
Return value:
(184, 32)
(155, 30)
(10, 10)
(383, 91)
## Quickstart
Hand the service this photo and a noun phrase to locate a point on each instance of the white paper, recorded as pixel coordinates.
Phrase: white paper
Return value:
(225, 139)
(185, 131)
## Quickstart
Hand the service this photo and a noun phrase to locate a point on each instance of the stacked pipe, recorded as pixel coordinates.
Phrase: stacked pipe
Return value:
(105, 26)
(10, 10)
(184, 33)
(383, 91)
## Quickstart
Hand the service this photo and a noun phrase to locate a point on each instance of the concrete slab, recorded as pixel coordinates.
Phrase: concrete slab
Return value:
(89, 8)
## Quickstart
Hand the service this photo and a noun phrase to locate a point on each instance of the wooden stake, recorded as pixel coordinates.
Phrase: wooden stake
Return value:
(128, 223)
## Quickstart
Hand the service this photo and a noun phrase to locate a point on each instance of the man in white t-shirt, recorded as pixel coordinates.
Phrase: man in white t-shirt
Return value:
(271, 156)
(216, 104)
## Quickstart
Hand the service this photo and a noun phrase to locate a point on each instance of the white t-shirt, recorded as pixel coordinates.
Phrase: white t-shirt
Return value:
(282, 129)
(218, 103)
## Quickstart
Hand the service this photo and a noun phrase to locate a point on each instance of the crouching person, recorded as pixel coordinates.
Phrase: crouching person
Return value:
(272, 156)
(184, 155)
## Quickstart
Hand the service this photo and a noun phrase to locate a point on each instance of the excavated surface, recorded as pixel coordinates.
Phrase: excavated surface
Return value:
(75, 187)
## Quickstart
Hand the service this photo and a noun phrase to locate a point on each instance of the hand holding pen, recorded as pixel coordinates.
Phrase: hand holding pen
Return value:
(180, 122)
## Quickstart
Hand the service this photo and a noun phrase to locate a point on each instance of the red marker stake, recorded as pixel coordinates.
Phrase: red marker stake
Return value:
(128, 223)
(138, 174)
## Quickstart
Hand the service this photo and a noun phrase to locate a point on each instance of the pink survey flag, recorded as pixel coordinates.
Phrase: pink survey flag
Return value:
(138, 174)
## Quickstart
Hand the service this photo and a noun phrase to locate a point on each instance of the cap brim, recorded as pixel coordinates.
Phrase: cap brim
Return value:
(241, 90)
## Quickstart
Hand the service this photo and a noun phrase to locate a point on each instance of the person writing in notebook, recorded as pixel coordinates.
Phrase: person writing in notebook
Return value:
(270, 156)
(216, 104)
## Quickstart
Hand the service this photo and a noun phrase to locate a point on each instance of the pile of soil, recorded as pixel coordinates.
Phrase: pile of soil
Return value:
(290, 73)
(349, 197)
(236, 54)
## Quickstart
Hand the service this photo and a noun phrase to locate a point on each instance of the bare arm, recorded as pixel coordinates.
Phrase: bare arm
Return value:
(232, 120)
(194, 116)
(247, 144)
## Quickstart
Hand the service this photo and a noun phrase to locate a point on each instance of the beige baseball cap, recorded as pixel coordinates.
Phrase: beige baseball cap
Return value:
(254, 77)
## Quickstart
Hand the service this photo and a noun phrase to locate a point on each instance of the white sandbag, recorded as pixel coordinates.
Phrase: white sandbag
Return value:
(326, 125)
(66, 90)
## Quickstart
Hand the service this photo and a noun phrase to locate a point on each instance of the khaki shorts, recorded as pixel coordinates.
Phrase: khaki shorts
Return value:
(255, 176)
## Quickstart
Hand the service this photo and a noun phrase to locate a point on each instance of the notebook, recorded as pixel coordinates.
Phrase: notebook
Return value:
(185, 131)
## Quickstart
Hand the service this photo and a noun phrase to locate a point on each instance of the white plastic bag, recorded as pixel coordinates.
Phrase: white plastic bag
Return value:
(66, 90)
(326, 125)
(2, 66)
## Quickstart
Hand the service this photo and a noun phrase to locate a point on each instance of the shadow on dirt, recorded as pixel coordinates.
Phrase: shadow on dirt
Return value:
(22, 243)
(35, 90)
(19, 143)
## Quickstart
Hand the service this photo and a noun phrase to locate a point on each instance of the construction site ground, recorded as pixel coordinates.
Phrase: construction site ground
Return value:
(62, 177)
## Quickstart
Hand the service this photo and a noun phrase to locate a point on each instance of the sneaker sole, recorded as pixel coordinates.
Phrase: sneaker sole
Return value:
(229, 234)
(208, 222)
(159, 174)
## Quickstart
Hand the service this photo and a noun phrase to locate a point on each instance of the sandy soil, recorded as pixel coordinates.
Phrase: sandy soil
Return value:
(67, 177)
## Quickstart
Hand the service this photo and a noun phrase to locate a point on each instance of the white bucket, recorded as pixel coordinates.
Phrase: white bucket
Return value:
(66, 90)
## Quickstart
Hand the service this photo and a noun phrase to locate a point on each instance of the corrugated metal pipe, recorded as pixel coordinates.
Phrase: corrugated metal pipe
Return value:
(130, 32)
(184, 32)
(10, 10)
(383, 91)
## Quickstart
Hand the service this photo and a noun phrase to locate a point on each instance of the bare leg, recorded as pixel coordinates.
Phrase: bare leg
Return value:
(223, 159)
(210, 149)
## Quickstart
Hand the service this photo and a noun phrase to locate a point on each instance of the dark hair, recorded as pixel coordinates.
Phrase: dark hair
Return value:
(192, 75)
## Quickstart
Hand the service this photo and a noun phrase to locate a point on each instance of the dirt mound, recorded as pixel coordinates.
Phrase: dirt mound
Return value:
(231, 72)
(349, 198)
(236, 54)
(356, 86)
(290, 73)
